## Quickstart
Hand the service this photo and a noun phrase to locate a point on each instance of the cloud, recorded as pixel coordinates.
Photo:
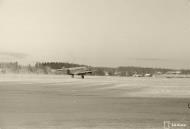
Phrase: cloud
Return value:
(151, 59)
(14, 55)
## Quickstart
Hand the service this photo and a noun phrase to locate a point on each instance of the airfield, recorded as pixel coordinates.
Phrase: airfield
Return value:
(62, 102)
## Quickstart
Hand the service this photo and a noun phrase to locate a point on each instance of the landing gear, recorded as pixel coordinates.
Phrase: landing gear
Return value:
(72, 75)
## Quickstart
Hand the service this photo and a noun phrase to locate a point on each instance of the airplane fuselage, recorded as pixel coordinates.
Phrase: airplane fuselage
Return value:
(81, 71)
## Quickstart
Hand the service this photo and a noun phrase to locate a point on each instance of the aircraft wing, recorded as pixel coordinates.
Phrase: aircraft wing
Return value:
(82, 72)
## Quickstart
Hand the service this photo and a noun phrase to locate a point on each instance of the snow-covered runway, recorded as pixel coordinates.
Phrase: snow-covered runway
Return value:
(57, 102)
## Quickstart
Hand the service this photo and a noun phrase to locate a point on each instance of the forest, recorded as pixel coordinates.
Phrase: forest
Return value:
(51, 68)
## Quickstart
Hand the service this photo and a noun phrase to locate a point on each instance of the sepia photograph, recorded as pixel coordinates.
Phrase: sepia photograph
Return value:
(94, 64)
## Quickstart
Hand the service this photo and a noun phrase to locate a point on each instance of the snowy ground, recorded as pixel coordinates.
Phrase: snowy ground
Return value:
(60, 102)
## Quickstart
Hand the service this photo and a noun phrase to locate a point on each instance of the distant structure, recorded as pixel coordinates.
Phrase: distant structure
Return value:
(173, 72)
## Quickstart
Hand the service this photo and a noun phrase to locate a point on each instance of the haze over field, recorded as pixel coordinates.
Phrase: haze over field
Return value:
(150, 33)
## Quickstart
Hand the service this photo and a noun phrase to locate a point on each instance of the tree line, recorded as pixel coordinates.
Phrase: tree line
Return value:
(51, 68)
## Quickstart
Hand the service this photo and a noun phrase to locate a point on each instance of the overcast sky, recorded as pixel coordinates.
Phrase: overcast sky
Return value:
(153, 33)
